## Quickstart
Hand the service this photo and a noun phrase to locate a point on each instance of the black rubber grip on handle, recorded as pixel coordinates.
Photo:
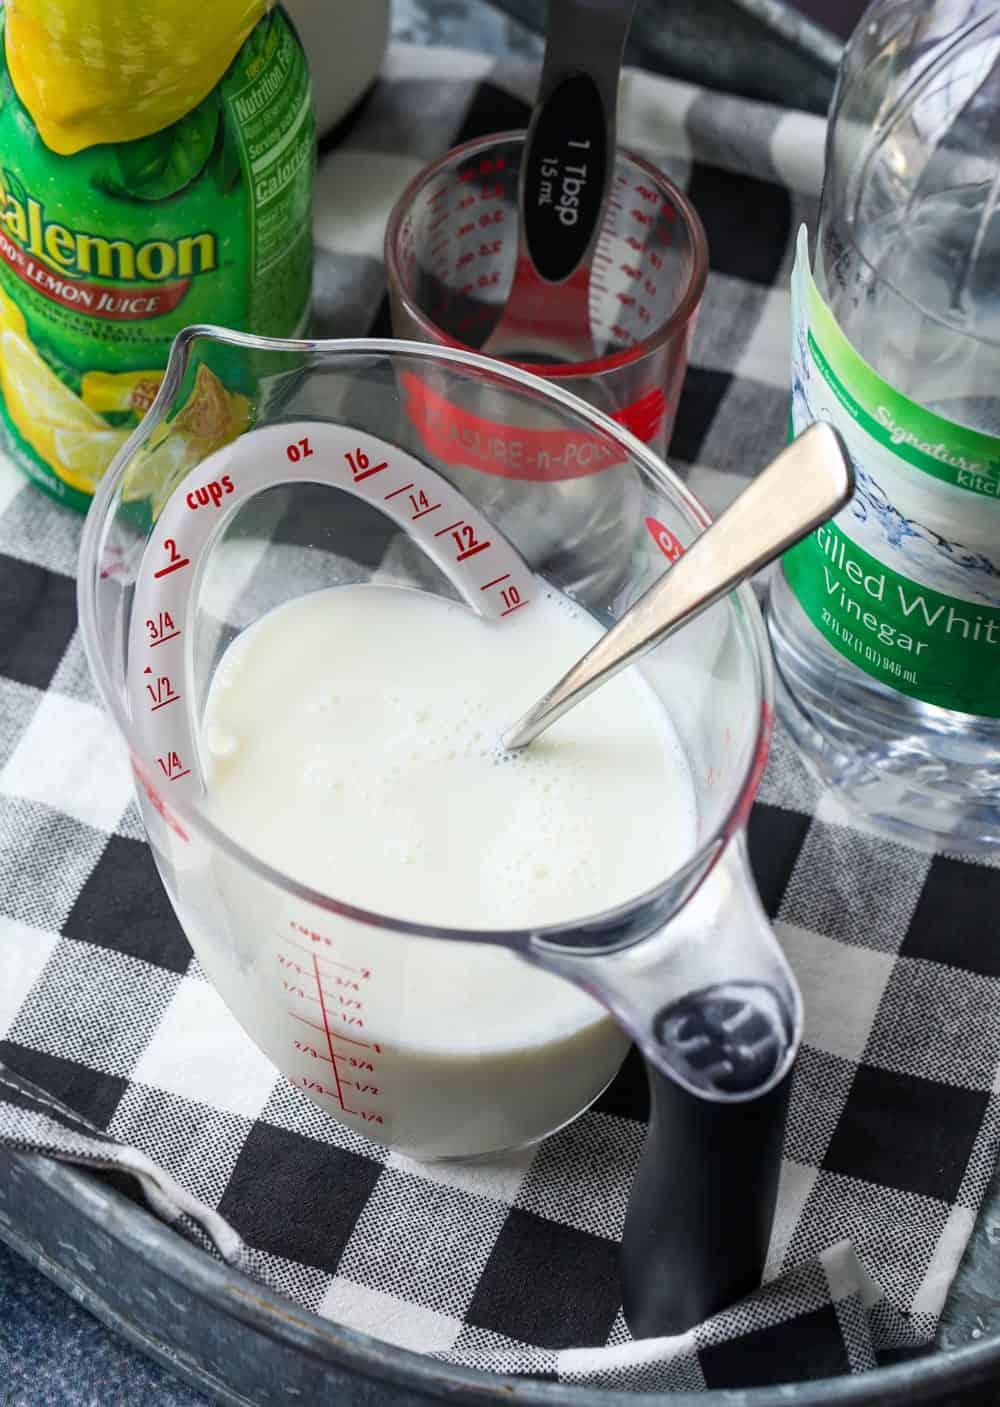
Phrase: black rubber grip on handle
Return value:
(702, 1203)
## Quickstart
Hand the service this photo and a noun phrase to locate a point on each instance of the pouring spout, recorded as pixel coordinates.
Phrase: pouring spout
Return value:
(717, 1015)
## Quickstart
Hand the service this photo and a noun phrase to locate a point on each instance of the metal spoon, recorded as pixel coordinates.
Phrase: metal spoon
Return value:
(808, 482)
(565, 183)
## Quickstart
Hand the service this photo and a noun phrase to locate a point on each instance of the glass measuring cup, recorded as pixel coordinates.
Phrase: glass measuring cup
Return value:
(451, 249)
(268, 468)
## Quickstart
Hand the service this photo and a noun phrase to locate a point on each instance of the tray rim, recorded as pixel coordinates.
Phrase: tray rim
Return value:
(269, 1314)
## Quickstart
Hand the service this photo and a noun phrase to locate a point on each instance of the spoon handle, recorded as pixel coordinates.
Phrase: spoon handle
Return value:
(808, 482)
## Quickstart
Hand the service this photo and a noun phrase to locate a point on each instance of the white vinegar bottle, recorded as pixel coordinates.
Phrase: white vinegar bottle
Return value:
(886, 622)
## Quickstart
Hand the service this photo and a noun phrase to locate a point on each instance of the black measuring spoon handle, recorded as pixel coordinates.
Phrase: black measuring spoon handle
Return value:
(569, 155)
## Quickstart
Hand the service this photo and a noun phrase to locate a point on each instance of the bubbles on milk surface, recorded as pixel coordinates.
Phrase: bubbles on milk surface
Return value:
(367, 761)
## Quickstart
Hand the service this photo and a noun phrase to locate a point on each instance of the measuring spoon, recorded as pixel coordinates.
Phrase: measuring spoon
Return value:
(565, 184)
(808, 482)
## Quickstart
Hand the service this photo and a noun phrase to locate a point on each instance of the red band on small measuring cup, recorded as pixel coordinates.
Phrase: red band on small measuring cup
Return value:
(454, 435)
(644, 417)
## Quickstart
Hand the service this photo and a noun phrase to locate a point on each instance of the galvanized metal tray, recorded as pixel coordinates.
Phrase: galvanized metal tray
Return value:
(248, 1347)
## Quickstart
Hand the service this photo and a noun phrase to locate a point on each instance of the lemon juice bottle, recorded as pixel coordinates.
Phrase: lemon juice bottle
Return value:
(156, 170)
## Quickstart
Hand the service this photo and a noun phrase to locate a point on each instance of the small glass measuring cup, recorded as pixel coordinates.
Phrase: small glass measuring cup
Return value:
(267, 468)
(451, 249)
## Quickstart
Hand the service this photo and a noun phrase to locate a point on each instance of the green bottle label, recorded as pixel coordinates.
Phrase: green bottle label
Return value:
(905, 582)
(106, 254)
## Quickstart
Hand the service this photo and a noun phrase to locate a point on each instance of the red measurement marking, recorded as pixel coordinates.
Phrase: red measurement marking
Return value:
(424, 511)
(326, 1029)
(297, 1016)
(311, 1051)
(362, 467)
(456, 524)
(164, 638)
(334, 1035)
(332, 976)
(319, 938)
(172, 767)
(176, 560)
(304, 1082)
(302, 449)
(512, 599)
(330, 961)
(496, 581)
(365, 1045)
(161, 691)
(465, 541)
(471, 551)
(397, 491)
(158, 629)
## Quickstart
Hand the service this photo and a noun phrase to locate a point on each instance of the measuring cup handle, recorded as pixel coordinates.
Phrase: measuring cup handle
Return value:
(714, 1008)
(701, 1207)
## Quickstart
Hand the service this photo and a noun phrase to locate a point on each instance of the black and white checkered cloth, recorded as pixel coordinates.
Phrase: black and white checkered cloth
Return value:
(509, 1265)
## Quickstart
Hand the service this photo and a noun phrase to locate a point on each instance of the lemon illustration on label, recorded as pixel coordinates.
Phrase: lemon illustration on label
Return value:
(54, 421)
(120, 391)
(153, 175)
(210, 418)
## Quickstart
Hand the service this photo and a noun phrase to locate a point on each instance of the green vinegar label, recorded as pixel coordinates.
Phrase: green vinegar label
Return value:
(106, 254)
(905, 582)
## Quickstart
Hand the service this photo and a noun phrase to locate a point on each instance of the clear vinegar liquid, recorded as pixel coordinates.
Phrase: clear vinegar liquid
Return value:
(927, 773)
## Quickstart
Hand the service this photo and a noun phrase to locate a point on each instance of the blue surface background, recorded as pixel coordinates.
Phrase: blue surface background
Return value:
(54, 1352)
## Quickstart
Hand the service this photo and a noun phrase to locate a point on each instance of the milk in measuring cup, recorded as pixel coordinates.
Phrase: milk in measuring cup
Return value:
(350, 740)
